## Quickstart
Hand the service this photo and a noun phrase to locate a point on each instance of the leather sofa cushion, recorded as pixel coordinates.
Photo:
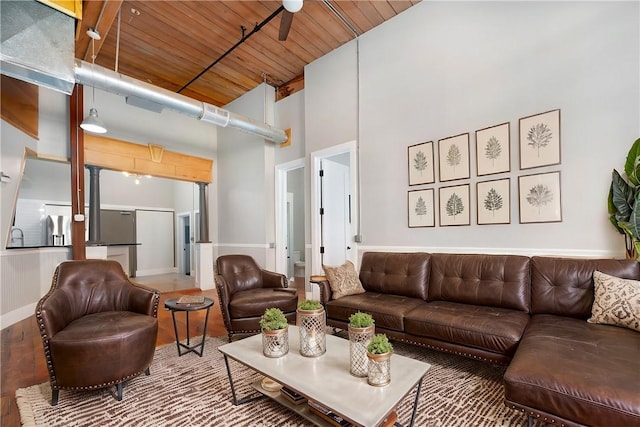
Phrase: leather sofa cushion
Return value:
(388, 311)
(253, 302)
(490, 280)
(588, 373)
(564, 286)
(118, 339)
(489, 328)
(404, 274)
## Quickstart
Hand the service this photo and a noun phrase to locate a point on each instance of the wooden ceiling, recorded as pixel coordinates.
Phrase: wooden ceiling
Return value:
(169, 43)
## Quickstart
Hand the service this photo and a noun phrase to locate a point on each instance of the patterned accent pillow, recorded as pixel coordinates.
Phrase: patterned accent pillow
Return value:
(343, 280)
(616, 301)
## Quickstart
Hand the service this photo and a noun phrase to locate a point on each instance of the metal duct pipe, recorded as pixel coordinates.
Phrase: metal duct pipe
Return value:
(110, 81)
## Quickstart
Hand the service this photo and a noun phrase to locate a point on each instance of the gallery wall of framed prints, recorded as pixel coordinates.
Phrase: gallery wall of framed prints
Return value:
(537, 193)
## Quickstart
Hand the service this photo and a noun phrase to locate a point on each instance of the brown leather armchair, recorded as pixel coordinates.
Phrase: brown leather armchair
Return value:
(98, 329)
(245, 291)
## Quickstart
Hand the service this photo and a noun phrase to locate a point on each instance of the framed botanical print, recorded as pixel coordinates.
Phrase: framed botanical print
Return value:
(454, 205)
(420, 164)
(493, 154)
(453, 157)
(540, 140)
(421, 208)
(494, 201)
(539, 196)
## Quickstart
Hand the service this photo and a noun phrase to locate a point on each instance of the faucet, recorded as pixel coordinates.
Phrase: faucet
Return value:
(19, 237)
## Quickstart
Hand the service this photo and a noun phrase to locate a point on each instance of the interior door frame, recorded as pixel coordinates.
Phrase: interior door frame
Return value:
(316, 231)
(281, 171)
(180, 219)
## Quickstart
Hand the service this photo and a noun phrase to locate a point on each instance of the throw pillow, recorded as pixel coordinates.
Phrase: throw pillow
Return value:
(616, 301)
(343, 280)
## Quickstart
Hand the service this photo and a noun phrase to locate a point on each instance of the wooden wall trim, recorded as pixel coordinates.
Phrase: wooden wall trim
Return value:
(124, 156)
(19, 105)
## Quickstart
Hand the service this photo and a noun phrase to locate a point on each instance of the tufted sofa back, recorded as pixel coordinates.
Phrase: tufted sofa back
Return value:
(564, 286)
(405, 274)
(492, 280)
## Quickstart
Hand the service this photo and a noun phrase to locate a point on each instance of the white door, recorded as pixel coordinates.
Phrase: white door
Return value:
(289, 228)
(335, 212)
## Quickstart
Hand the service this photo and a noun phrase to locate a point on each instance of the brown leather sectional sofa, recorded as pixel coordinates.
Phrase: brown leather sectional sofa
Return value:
(526, 312)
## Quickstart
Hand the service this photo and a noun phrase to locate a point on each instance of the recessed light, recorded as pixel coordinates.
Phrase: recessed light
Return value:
(135, 11)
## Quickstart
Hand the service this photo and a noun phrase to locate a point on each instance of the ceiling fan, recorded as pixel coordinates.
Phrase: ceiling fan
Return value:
(290, 7)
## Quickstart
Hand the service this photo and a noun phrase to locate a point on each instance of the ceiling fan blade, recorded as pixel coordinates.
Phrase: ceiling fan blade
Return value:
(285, 25)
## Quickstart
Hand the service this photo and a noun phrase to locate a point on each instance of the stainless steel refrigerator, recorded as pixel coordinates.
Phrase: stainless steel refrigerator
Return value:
(118, 227)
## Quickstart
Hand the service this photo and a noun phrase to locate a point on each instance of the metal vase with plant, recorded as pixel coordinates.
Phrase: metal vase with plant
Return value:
(312, 327)
(624, 201)
(379, 353)
(361, 330)
(275, 333)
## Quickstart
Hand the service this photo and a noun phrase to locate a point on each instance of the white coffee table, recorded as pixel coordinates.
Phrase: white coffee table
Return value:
(326, 379)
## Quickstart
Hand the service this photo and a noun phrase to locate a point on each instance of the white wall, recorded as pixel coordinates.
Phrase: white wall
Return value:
(290, 115)
(246, 183)
(330, 107)
(445, 68)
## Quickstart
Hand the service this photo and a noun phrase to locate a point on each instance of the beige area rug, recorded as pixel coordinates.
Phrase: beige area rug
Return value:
(194, 391)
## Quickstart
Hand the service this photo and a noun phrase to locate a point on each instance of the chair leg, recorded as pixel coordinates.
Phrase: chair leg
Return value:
(54, 397)
(119, 391)
(147, 372)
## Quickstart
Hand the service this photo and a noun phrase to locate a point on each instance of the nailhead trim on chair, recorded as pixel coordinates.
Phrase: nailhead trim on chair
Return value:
(530, 414)
(47, 349)
(446, 350)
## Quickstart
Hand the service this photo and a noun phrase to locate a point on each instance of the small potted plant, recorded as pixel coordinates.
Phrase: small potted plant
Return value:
(379, 352)
(312, 323)
(275, 333)
(361, 329)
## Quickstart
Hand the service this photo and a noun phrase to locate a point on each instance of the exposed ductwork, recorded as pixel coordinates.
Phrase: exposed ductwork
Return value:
(110, 81)
(37, 44)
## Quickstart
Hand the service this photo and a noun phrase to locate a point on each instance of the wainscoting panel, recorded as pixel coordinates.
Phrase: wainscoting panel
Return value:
(25, 276)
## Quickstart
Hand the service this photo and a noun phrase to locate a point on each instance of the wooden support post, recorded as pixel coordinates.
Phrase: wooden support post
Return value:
(76, 142)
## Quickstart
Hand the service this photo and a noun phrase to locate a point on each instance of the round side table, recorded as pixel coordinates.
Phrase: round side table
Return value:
(173, 305)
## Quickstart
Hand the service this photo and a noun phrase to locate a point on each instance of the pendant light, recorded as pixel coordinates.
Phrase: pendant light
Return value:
(92, 123)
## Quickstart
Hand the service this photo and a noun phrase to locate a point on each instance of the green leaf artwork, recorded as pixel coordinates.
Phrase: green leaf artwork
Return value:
(539, 136)
(420, 162)
(421, 207)
(493, 149)
(539, 196)
(454, 157)
(454, 205)
(493, 201)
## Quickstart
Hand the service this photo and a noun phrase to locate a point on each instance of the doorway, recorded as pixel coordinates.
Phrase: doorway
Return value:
(334, 211)
(184, 243)
(290, 219)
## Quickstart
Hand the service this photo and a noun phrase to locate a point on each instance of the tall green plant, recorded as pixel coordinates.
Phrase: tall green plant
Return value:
(624, 201)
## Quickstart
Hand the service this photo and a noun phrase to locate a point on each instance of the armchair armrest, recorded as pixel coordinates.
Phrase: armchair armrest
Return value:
(224, 294)
(325, 289)
(143, 300)
(273, 280)
(53, 314)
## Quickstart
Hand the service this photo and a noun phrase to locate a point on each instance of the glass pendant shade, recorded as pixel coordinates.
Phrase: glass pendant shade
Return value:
(92, 123)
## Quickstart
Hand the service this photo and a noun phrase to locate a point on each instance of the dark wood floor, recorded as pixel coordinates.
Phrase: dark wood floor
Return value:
(23, 362)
